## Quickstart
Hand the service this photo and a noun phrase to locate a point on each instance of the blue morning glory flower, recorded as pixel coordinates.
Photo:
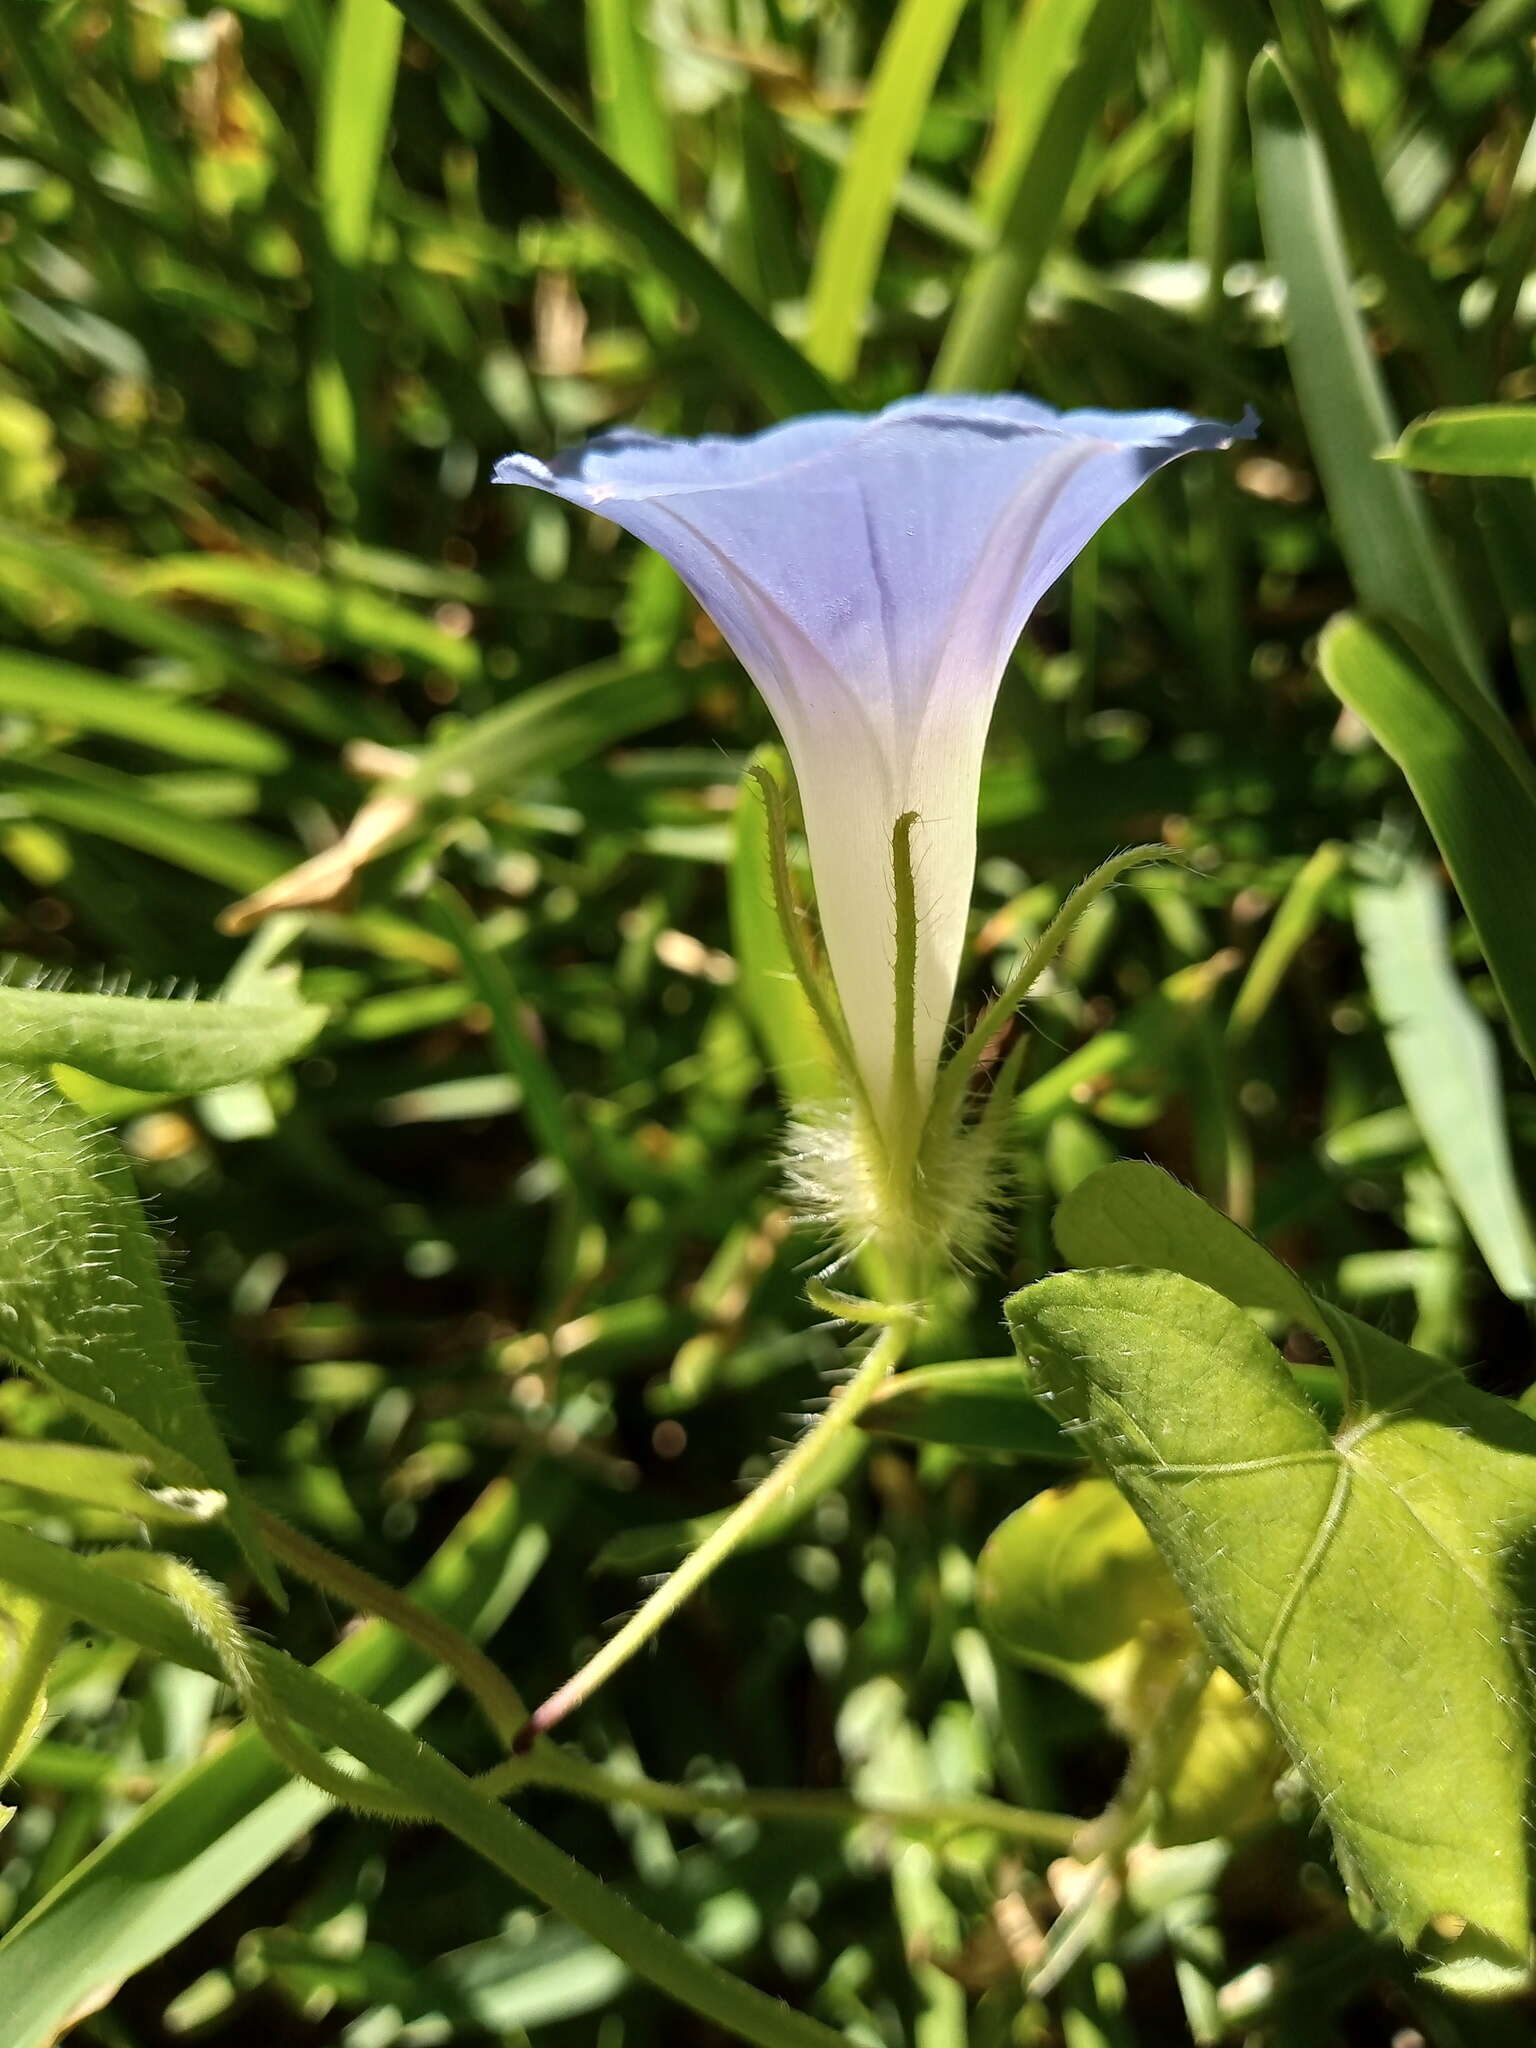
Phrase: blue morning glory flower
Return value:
(873, 573)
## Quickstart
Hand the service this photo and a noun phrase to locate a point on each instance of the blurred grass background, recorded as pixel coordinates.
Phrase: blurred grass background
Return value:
(277, 283)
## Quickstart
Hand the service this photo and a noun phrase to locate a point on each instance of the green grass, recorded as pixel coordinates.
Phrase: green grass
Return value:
(277, 286)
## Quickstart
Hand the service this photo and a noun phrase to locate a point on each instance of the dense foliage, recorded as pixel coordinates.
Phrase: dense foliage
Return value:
(466, 1172)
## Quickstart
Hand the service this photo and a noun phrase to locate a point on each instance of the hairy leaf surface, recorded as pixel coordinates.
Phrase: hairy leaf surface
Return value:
(83, 1302)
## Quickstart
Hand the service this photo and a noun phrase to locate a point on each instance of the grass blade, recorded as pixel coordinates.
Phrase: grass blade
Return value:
(631, 119)
(110, 808)
(358, 91)
(1066, 60)
(339, 614)
(342, 1720)
(1413, 303)
(772, 364)
(235, 1812)
(39, 568)
(538, 732)
(1300, 910)
(1476, 791)
(58, 693)
(632, 127)
(1444, 1054)
(1378, 515)
(858, 221)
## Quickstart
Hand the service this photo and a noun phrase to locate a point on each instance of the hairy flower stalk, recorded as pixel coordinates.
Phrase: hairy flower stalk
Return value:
(873, 574)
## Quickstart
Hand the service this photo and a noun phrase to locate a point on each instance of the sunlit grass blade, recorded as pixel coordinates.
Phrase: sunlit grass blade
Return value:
(108, 807)
(632, 121)
(1447, 1063)
(358, 92)
(766, 360)
(34, 570)
(1474, 787)
(359, 86)
(1064, 64)
(235, 1812)
(342, 1720)
(1377, 513)
(1413, 303)
(338, 613)
(1300, 911)
(632, 124)
(1217, 530)
(853, 236)
(920, 199)
(61, 694)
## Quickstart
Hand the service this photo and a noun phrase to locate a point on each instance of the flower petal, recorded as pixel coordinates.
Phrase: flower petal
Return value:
(873, 575)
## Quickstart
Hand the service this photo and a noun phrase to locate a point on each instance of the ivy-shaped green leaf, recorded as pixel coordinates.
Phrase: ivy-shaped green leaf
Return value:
(1136, 1215)
(1362, 1583)
(1073, 1584)
(1072, 1578)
